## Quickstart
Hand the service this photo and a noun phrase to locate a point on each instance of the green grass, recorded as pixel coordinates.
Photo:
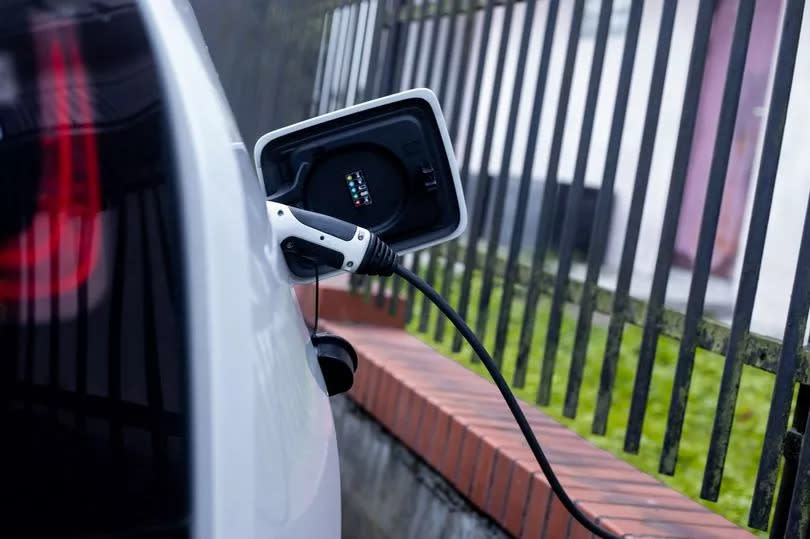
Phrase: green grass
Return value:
(750, 415)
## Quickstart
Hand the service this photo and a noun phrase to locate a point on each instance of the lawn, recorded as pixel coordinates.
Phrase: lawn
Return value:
(750, 416)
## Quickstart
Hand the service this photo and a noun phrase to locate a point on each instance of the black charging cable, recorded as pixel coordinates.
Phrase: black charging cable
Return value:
(379, 259)
(508, 396)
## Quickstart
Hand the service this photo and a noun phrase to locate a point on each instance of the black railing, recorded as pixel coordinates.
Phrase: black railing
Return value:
(399, 44)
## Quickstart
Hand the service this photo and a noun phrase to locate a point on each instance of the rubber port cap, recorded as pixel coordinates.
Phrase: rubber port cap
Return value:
(338, 362)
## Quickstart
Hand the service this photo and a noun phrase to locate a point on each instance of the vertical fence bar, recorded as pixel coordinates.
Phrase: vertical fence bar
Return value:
(165, 248)
(566, 251)
(330, 59)
(349, 62)
(510, 270)
(413, 79)
(755, 245)
(82, 307)
(391, 81)
(683, 147)
(479, 213)
(375, 85)
(502, 181)
(452, 23)
(154, 390)
(349, 52)
(432, 38)
(622, 292)
(335, 10)
(783, 387)
(358, 52)
(320, 73)
(340, 49)
(544, 223)
(460, 91)
(393, 68)
(30, 329)
(472, 120)
(53, 334)
(435, 252)
(115, 328)
(369, 42)
(431, 69)
(601, 222)
(708, 230)
(792, 511)
(792, 448)
(375, 50)
(355, 280)
(10, 326)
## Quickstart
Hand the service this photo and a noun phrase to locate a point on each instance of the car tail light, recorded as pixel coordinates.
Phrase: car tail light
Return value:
(64, 234)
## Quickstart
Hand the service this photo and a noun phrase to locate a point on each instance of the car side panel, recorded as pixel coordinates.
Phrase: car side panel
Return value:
(264, 451)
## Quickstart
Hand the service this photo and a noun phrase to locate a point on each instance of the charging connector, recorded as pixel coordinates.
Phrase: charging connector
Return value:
(309, 240)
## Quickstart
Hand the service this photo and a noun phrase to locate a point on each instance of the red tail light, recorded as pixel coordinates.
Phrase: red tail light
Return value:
(64, 235)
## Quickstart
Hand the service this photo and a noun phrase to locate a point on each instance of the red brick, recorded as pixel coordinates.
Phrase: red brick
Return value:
(517, 499)
(438, 442)
(637, 528)
(633, 496)
(370, 379)
(426, 427)
(535, 517)
(383, 404)
(390, 401)
(403, 412)
(415, 419)
(608, 474)
(639, 494)
(377, 396)
(557, 520)
(483, 472)
(452, 451)
(466, 466)
(659, 514)
(577, 530)
(499, 491)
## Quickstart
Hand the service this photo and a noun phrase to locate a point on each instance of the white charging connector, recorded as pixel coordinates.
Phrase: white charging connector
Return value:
(310, 239)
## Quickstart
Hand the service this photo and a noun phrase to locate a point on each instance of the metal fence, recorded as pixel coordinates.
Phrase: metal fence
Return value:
(371, 48)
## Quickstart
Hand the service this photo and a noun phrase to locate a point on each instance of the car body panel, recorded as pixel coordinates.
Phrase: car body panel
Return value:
(263, 442)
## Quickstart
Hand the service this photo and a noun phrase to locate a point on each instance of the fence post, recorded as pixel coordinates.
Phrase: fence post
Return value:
(793, 440)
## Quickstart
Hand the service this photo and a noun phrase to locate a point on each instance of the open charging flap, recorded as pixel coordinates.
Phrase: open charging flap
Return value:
(386, 165)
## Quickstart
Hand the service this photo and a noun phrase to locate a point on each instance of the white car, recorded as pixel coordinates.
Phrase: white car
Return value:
(157, 375)
(158, 379)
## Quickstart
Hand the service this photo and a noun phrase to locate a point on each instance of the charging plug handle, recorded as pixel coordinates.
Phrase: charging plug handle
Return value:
(311, 239)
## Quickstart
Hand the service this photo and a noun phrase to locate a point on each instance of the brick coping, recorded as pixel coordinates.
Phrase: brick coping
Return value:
(457, 422)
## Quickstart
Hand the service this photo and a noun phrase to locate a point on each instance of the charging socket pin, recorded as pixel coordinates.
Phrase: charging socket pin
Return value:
(358, 188)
